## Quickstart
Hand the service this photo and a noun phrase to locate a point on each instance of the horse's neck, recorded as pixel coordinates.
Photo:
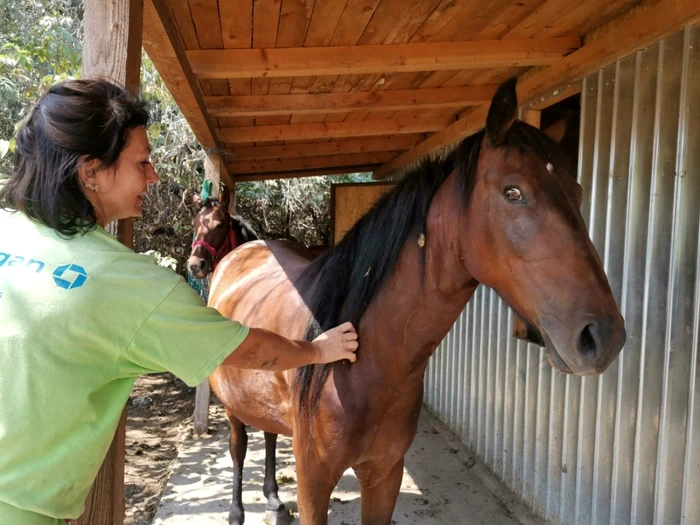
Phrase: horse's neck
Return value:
(419, 304)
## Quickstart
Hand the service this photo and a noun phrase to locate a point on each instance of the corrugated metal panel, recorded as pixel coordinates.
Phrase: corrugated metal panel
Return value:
(622, 448)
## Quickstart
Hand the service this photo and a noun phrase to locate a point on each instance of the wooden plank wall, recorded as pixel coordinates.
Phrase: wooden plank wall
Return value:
(349, 202)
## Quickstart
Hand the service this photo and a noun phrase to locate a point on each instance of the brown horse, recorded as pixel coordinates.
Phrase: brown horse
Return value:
(502, 210)
(216, 233)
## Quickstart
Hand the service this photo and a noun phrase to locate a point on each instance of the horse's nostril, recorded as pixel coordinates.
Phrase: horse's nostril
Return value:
(587, 342)
(203, 265)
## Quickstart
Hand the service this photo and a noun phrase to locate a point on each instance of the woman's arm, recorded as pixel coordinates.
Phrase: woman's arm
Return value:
(265, 350)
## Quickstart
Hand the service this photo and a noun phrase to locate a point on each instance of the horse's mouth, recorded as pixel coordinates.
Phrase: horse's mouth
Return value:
(553, 358)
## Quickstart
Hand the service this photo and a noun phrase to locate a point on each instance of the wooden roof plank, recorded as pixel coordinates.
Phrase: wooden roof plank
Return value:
(396, 21)
(651, 22)
(508, 18)
(236, 24)
(289, 62)
(249, 105)
(205, 14)
(439, 18)
(183, 19)
(330, 130)
(353, 22)
(266, 14)
(336, 147)
(324, 21)
(322, 172)
(294, 21)
(309, 163)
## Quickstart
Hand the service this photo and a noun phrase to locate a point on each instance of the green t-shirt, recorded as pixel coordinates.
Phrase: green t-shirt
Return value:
(79, 320)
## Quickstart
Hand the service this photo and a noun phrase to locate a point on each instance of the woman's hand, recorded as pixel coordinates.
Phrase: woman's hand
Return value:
(337, 343)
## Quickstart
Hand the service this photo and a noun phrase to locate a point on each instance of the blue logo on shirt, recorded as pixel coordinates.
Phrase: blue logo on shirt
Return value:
(70, 276)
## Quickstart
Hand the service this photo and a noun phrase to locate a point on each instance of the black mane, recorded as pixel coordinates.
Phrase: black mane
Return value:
(342, 282)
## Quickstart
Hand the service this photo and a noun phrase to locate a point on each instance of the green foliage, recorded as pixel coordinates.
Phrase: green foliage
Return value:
(39, 45)
(295, 209)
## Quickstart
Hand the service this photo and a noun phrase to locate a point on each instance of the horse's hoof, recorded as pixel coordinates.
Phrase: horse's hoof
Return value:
(236, 519)
(279, 517)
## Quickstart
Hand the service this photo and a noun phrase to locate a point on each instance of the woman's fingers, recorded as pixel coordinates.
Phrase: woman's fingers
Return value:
(346, 327)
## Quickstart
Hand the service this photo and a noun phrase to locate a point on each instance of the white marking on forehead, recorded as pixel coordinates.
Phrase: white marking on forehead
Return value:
(550, 168)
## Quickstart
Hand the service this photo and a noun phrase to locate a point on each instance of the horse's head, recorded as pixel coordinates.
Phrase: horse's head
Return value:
(528, 241)
(212, 231)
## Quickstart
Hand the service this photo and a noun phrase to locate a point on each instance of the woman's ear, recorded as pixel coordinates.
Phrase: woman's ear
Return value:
(87, 173)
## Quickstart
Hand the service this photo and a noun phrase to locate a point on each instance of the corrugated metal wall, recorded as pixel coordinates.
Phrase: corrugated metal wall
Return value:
(622, 448)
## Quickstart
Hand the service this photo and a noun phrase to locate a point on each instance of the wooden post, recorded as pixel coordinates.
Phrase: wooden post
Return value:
(532, 117)
(112, 51)
(212, 172)
(201, 407)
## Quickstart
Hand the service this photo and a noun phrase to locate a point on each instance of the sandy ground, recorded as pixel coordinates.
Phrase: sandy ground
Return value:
(443, 483)
(159, 417)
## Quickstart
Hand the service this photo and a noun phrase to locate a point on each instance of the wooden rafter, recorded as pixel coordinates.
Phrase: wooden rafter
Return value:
(307, 173)
(321, 103)
(336, 147)
(311, 61)
(650, 22)
(325, 130)
(165, 48)
(310, 163)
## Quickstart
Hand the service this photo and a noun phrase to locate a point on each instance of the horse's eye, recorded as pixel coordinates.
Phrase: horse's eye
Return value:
(513, 195)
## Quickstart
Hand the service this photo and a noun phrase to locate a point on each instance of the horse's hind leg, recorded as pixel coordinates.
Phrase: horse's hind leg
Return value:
(270, 486)
(379, 488)
(237, 446)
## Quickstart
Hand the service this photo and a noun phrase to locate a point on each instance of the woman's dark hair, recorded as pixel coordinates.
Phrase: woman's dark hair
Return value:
(74, 122)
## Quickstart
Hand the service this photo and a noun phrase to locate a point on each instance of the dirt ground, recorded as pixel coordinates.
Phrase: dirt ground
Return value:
(159, 417)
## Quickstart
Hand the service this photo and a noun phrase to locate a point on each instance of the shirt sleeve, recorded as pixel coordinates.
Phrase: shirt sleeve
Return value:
(183, 336)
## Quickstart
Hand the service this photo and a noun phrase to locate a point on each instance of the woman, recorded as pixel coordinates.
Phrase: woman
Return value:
(81, 315)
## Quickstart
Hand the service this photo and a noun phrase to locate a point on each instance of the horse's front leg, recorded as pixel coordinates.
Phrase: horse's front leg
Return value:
(315, 483)
(270, 487)
(379, 488)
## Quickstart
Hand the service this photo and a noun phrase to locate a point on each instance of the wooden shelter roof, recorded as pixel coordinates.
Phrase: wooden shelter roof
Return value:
(287, 88)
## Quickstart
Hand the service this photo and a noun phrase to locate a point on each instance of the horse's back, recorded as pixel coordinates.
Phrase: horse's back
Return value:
(254, 285)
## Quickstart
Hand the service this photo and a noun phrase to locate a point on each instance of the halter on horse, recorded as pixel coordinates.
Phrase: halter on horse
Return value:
(216, 234)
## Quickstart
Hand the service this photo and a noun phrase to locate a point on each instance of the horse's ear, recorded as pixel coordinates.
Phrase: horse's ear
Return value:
(225, 198)
(502, 113)
(197, 201)
(557, 130)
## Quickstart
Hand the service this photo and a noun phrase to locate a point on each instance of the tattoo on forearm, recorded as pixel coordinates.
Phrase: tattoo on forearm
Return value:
(266, 365)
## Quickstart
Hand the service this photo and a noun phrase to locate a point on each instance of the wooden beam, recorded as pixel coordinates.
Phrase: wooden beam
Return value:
(651, 22)
(322, 172)
(392, 58)
(532, 117)
(321, 103)
(556, 96)
(326, 130)
(163, 44)
(337, 147)
(212, 171)
(309, 163)
(112, 51)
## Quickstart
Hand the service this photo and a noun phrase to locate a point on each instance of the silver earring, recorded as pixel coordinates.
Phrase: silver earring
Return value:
(91, 186)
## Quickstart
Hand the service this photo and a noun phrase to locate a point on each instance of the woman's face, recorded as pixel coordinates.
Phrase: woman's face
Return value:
(121, 188)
